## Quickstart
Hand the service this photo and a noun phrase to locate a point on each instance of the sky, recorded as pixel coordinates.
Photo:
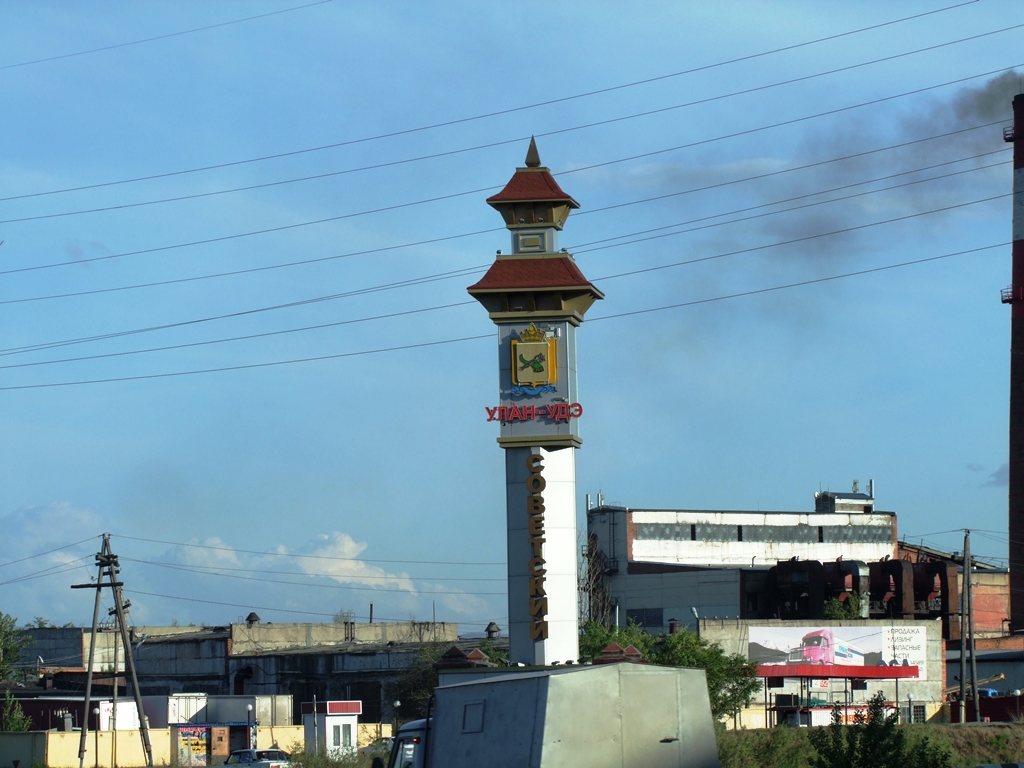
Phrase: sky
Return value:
(234, 331)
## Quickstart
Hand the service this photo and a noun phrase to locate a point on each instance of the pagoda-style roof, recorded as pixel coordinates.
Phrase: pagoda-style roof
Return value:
(530, 184)
(534, 183)
(508, 274)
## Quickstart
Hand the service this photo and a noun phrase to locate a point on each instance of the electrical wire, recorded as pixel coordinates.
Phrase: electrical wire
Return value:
(298, 555)
(328, 219)
(511, 110)
(168, 35)
(466, 270)
(337, 356)
(506, 142)
(248, 606)
(601, 209)
(324, 586)
(71, 565)
(47, 552)
(215, 569)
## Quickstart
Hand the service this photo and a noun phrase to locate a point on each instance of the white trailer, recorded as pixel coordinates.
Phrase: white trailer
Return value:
(605, 716)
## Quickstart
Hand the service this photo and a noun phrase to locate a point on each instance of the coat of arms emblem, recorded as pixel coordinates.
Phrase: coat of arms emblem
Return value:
(534, 362)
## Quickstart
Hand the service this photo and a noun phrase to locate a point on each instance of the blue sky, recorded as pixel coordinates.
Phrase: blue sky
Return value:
(375, 477)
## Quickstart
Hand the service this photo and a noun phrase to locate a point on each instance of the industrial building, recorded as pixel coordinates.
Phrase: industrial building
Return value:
(327, 661)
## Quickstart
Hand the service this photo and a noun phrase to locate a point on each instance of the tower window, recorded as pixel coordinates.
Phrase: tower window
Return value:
(821, 534)
(693, 531)
(739, 533)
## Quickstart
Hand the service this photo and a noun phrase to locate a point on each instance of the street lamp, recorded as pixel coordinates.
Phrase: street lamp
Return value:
(910, 708)
(96, 712)
(397, 704)
(248, 726)
(693, 610)
(1016, 695)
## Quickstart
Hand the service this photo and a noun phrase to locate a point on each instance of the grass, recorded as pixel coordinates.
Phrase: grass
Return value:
(970, 745)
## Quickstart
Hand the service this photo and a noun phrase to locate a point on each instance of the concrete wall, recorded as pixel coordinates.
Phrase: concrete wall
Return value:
(664, 536)
(266, 638)
(733, 637)
(67, 648)
(27, 748)
(714, 592)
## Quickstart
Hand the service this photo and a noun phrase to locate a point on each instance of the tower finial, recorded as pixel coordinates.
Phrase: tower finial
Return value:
(532, 155)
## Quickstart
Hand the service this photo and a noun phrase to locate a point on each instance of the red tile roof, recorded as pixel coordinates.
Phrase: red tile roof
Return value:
(508, 274)
(529, 185)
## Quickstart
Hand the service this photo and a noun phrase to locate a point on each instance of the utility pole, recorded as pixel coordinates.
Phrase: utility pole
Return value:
(963, 628)
(106, 562)
(969, 567)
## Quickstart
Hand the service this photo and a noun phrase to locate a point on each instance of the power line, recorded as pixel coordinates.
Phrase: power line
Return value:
(215, 569)
(801, 283)
(328, 219)
(240, 313)
(323, 586)
(303, 302)
(53, 570)
(169, 35)
(491, 145)
(495, 113)
(248, 606)
(581, 248)
(418, 281)
(47, 552)
(304, 556)
(488, 335)
(321, 259)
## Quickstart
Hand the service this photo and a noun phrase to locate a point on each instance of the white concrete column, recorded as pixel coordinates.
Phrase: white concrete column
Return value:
(558, 552)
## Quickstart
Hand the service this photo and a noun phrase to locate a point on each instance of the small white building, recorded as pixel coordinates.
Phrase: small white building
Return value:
(333, 728)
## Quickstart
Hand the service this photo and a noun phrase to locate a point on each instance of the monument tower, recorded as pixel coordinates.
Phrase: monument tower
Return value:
(537, 297)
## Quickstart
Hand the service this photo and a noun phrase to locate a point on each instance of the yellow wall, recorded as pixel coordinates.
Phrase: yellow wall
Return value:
(62, 748)
(287, 737)
(368, 732)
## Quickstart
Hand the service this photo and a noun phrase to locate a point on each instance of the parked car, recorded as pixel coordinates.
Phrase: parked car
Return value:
(260, 758)
(379, 747)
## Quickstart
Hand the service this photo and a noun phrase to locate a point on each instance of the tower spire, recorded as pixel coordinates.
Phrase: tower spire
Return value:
(532, 155)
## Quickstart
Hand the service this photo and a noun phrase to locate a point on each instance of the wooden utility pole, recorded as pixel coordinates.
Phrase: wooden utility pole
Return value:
(106, 562)
(968, 568)
(964, 580)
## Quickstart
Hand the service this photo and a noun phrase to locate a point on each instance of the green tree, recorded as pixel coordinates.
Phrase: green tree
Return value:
(12, 717)
(873, 741)
(732, 680)
(415, 684)
(12, 642)
(594, 637)
(845, 609)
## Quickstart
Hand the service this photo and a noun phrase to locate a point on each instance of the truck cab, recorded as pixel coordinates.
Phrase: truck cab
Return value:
(409, 747)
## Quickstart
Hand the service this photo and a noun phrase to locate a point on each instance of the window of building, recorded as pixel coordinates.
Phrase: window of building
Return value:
(739, 533)
(336, 741)
(647, 618)
(693, 531)
(346, 735)
(919, 714)
(821, 534)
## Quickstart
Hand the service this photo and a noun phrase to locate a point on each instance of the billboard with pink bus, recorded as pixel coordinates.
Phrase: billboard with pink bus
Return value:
(838, 645)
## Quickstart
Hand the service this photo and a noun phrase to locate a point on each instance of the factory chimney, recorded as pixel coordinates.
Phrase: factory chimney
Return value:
(1014, 296)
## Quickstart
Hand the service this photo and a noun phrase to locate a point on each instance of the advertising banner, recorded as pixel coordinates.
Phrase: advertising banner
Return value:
(836, 645)
(193, 745)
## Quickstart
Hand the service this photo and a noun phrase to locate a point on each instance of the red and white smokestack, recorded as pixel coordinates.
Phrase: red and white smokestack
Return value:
(1014, 296)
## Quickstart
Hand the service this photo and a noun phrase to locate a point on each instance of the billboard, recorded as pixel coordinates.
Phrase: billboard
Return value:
(837, 645)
